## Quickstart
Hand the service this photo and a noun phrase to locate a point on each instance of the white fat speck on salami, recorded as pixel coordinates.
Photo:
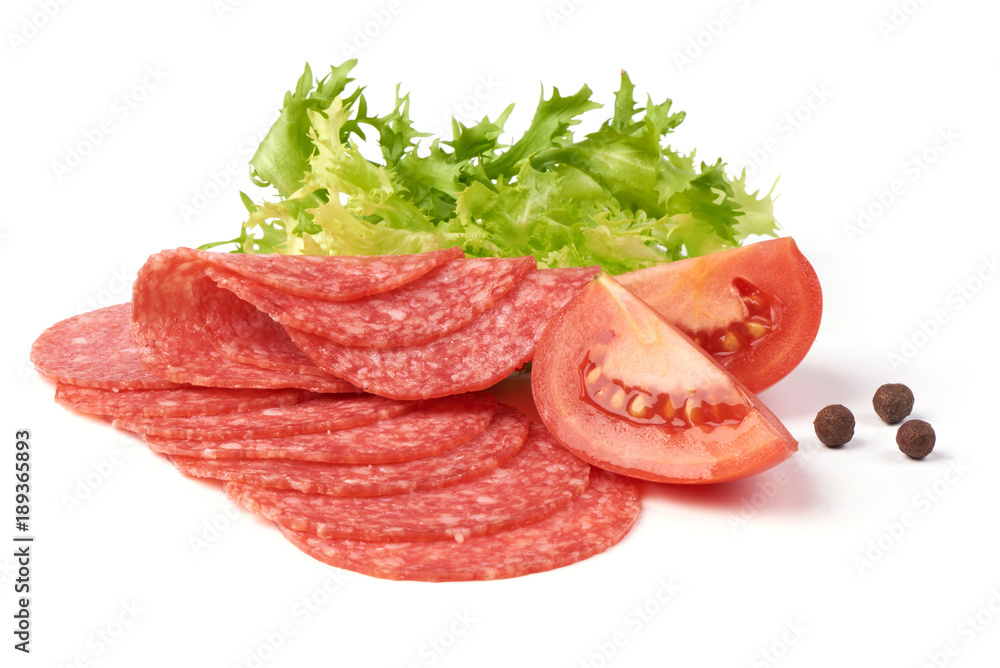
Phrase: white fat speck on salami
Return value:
(169, 332)
(473, 358)
(536, 482)
(94, 349)
(324, 413)
(333, 278)
(441, 302)
(588, 525)
(490, 449)
(438, 425)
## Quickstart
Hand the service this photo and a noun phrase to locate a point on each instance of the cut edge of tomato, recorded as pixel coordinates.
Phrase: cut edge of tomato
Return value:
(774, 356)
(801, 310)
(775, 443)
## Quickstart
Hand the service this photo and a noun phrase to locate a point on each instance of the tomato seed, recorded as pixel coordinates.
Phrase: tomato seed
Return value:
(637, 406)
(617, 400)
(756, 330)
(731, 343)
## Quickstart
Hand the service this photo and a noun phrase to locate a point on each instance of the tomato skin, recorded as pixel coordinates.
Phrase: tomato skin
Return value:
(697, 294)
(698, 454)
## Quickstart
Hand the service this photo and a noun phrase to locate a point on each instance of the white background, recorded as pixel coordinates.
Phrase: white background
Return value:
(809, 562)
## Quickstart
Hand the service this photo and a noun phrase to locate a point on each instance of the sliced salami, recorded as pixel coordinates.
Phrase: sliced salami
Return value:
(337, 278)
(588, 525)
(176, 402)
(317, 415)
(439, 303)
(242, 333)
(438, 425)
(536, 482)
(170, 336)
(94, 349)
(490, 449)
(473, 358)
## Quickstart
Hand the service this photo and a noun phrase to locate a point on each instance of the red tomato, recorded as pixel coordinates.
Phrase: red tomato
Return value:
(756, 309)
(627, 391)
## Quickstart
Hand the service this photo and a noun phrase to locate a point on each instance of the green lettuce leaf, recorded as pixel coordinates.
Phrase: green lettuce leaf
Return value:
(282, 158)
(620, 197)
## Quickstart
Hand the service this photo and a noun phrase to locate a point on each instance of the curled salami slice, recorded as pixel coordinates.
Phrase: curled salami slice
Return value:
(176, 402)
(309, 417)
(588, 525)
(242, 333)
(169, 332)
(436, 426)
(337, 278)
(498, 443)
(536, 482)
(439, 303)
(473, 358)
(94, 349)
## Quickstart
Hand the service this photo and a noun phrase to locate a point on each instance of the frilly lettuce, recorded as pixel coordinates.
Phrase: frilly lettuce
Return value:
(619, 197)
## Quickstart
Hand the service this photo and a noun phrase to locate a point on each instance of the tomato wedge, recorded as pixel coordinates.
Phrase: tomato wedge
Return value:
(625, 390)
(756, 309)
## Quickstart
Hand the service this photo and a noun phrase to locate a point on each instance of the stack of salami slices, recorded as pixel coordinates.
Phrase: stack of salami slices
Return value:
(340, 398)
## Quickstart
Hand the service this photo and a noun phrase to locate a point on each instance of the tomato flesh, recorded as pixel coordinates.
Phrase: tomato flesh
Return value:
(670, 410)
(756, 323)
(756, 309)
(627, 391)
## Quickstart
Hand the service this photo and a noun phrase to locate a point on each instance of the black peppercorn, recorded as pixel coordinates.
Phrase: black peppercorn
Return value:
(915, 439)
(834, 425)
(893, 402)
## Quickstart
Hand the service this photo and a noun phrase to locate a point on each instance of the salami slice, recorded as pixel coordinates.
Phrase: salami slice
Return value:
(337, 278)
(177, 402)
(439, 303)
(473, 358)
(588, 525)
(94, 349)
(439, 425)
(170, 336)
(309, 417)
(242, 333)
(536, 482)
(490, 449)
